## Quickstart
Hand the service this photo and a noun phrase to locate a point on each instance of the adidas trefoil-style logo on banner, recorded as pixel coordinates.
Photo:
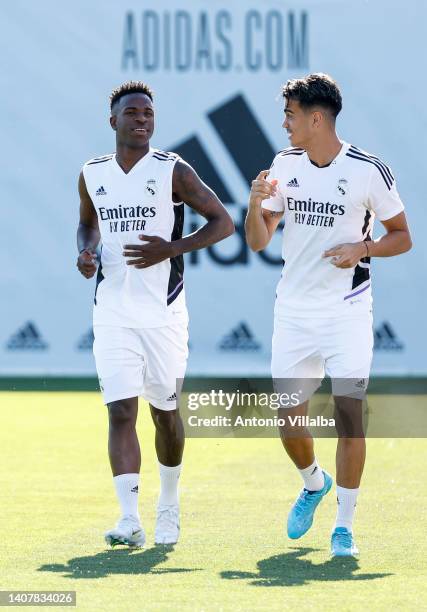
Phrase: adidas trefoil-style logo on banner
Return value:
(240, 339)
(86, 341)
(27, 338)
(101, 191)
(293, 183)
(386, 338)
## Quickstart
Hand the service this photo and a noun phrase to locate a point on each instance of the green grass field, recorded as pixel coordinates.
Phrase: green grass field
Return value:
(57, 500)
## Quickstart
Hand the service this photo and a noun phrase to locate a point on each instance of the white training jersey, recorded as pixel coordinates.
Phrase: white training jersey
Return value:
(127, 205)
(325, 207)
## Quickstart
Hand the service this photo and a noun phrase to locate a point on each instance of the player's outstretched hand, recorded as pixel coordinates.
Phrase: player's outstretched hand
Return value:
(346, 255)
(87, 263)
(146, 255)
(262, 189)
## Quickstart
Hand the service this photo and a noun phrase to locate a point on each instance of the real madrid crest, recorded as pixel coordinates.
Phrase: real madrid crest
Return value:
(342, 187)
(150, 187)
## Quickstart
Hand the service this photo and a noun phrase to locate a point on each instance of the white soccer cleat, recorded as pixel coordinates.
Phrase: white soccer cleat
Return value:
(167, 525)
(127, 532)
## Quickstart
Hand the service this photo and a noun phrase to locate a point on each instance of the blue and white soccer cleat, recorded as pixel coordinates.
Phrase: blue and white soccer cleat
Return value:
(342, 543)
(127, 532)
(300, 517)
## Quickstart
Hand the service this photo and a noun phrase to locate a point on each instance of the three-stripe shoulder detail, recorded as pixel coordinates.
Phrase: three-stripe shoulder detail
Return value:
(165, 155)
(384, 170)
(100, 160)
(291, 151)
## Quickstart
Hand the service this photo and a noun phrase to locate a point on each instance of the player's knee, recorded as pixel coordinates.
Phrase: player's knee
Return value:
(354, 442)
(167, 422)
(293, 436)
(349, 420)
(290, 426)
(122, 413)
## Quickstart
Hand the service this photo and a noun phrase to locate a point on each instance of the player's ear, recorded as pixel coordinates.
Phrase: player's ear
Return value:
(317, 119)
(113, 122)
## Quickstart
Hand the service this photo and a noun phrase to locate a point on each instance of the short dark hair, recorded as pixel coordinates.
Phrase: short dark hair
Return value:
(315, 90)
(129, 87)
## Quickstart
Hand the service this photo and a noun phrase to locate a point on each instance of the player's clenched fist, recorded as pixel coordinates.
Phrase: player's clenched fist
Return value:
(262, 189)
(86, 263)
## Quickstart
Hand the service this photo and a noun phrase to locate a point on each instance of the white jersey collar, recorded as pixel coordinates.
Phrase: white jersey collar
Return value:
(140, 163)
(340, 156)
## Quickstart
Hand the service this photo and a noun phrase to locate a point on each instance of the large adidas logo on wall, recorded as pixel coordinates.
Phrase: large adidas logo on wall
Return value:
(240, 338)
(242, 136)
(385, 338)
(27, 338)
(246, 144)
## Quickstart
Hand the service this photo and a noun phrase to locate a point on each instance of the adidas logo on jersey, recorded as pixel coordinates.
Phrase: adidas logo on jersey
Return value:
(293, 183)
(239, 339)
(27, 338)
(386, 339)
(101, 191)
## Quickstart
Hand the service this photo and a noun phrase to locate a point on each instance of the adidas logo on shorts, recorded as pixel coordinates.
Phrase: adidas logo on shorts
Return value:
(360, 384)
(172, 398)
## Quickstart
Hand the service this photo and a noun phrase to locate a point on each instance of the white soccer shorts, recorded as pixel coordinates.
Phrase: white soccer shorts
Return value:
(141, 362)
(305, 349)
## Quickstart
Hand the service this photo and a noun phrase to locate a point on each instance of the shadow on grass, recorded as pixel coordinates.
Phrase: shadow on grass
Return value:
(119, 561)
(288, 569)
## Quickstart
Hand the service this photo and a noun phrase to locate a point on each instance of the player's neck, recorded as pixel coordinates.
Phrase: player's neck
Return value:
(323, 152)
(127, 157)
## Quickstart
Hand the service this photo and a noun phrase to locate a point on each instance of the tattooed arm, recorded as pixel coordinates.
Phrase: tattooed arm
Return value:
(189, 188)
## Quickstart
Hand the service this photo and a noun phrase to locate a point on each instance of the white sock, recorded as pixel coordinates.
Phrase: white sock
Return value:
(346, 499)
(169, 477)
(313, 477)
(126, 486)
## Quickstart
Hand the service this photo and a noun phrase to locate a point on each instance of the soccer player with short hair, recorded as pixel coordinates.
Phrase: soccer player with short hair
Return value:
(328, 192)
(133, 202)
